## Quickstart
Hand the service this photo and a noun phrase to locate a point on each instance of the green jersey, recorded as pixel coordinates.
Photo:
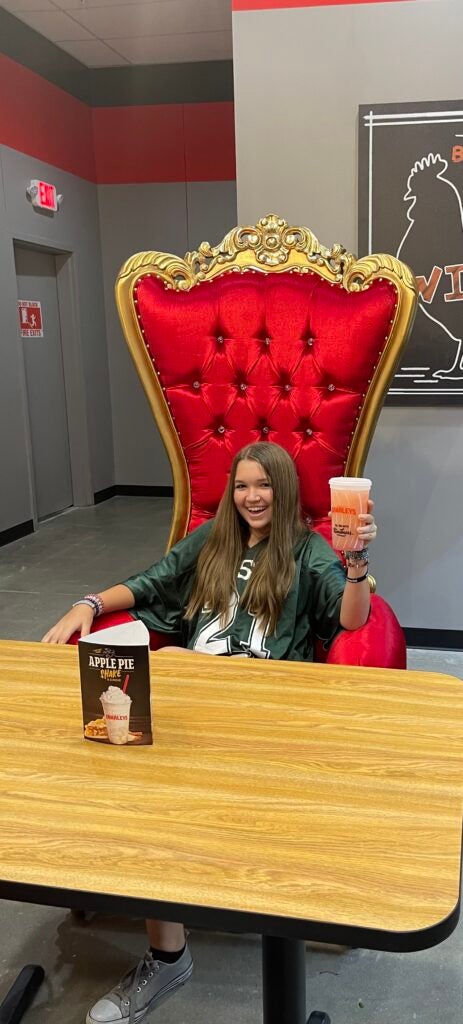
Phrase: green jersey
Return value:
(311, 609)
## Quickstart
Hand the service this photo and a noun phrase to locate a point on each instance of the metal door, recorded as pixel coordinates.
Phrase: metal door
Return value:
(43, 360)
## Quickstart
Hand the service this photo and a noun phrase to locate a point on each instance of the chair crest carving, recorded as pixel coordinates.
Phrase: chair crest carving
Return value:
(269, 245)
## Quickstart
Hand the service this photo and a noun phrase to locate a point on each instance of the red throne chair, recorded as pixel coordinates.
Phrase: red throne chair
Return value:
(270, 336)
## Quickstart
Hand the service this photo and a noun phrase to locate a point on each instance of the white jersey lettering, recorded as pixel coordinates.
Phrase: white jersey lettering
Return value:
(255, 644)
(210, 639)
(246, 568)
(215, 638)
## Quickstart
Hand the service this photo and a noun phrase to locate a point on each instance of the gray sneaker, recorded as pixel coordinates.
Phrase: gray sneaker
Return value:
(141, 989)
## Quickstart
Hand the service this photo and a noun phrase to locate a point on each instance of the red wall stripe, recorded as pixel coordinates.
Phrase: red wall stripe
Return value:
(43, 121)
(171, 142)
(272, 5)
(209, 141)
(115, 145)
(135, 144)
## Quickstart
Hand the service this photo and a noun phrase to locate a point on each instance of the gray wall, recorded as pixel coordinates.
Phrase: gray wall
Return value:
(296, 133)
(74, 229)
(15, 497)
(113, 435)
(416, 465)
(134, 218)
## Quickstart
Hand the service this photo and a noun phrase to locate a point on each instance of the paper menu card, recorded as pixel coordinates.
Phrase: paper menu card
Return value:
(115, 682)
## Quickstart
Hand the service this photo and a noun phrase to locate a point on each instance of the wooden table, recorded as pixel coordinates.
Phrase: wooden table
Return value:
(296, 801)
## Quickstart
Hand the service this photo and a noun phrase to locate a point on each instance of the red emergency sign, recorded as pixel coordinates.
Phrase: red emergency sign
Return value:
(30, 318)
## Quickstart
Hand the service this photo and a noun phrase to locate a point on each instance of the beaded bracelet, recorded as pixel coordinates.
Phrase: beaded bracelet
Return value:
(356, 557)
(94, 602)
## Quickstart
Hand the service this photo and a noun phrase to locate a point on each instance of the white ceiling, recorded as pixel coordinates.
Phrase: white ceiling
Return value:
(112, 33)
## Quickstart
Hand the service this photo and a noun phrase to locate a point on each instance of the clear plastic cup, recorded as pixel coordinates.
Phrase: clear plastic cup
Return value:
(349, 498)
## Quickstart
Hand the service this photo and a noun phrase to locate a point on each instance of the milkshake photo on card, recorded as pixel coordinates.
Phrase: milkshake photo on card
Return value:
(115, 682)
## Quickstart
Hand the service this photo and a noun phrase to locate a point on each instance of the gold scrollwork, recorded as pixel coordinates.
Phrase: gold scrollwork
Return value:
(271, 241)
(271, 244)
(361, 272)
(172, 269)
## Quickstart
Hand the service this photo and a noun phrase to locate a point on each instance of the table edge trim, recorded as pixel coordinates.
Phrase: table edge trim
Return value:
(220, 919)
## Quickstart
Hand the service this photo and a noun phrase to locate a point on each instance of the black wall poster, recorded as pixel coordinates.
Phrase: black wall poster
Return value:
(411, 206)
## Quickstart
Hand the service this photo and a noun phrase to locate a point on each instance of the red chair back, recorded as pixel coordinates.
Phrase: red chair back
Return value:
(297, 352)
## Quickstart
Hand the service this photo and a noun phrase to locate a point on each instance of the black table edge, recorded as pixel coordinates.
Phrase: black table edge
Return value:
(218, 919)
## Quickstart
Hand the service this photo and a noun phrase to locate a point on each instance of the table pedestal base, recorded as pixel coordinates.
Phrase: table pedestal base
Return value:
(283, 983)
(21, 994)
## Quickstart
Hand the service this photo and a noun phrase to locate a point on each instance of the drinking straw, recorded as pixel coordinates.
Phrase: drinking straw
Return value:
(126, 683)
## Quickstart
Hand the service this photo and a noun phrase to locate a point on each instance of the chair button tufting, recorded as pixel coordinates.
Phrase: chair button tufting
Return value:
(220, 339)
(267, 341)
(265, 430)
(310, 341)
(243, 387)
(331, 387)
(287, 387)
(221, 429)
(309, 432)
(196, 384)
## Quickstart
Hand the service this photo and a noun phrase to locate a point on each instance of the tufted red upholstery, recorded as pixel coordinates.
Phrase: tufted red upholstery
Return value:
(280, 358)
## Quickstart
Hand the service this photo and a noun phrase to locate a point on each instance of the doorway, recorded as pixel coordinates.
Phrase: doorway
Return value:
(36, 274)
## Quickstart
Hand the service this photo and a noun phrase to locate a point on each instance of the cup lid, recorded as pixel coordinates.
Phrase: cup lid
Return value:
(359, 483)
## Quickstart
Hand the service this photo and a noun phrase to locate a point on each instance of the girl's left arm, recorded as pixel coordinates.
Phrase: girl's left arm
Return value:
(355, 604)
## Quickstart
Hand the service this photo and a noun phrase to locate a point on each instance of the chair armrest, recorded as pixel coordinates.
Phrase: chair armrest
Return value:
(157, 640)
(380, 643)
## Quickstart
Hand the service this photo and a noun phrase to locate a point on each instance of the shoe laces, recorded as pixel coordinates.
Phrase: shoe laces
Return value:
(133, 982)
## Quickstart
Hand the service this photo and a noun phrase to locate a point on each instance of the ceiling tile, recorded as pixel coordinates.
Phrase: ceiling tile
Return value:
(15, 6)
(93, 53)
(118, 32)
(165, 17)
(176, 48)
(55, 25)
(218, 11)
(84, 5)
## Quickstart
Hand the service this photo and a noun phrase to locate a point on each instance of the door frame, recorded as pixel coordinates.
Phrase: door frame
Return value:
(74, 377)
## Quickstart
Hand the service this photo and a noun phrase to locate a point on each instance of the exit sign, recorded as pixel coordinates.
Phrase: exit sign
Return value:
(43, 195)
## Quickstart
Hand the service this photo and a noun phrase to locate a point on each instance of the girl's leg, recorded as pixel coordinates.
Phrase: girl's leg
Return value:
(165, 935)
(155, 977)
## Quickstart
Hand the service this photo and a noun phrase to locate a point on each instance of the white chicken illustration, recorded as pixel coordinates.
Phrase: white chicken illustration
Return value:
(435, 214)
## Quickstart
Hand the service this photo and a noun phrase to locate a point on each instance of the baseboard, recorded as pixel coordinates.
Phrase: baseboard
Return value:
(134, 491)
(158, 491)
(440, 639)
(105, 494)
(16, 532)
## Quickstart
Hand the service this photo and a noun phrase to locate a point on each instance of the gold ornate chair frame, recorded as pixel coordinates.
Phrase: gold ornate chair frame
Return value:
(271, 246)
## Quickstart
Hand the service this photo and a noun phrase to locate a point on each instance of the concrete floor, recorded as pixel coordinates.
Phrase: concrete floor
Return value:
(88, 549)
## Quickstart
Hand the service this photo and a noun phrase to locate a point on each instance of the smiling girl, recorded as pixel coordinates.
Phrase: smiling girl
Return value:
(254, 581)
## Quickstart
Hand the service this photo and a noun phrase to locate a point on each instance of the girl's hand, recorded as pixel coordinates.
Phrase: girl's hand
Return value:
(77, 620)
(368, 530)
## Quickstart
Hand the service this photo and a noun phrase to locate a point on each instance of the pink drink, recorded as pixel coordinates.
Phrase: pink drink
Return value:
(349, 497)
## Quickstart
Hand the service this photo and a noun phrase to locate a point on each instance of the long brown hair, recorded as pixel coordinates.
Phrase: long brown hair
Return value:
(221, 556)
